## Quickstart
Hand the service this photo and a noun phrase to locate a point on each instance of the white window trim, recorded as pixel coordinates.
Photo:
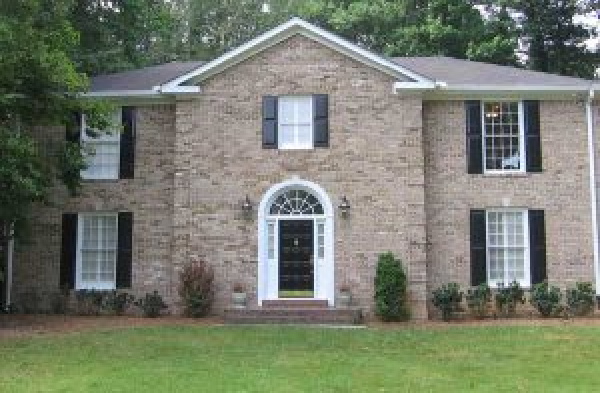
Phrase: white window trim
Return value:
(99, 285)
(522, 158)
(526, 281)
(295, 145)
(113, 138)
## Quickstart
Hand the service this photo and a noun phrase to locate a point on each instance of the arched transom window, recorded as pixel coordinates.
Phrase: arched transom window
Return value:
(297, 203)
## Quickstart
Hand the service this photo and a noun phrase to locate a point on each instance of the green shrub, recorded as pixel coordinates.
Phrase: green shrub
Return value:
(391, 298)
(116, 303)
(59, 301)
(546, 299)
(507, 298)
(478, 299)
(447, 299)
(88, 301)
(196, 289)
(151, 304)
(580, 300)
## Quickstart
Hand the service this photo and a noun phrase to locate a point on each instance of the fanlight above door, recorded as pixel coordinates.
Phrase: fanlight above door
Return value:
(296, 203)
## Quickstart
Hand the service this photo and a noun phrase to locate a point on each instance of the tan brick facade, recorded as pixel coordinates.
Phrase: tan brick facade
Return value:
(399, 160)
(562, 190)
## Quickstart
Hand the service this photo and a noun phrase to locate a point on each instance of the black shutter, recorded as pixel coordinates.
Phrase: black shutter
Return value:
(269, 112)
(478, 247)
(533, 145)
(537, 246)
(68, 250)
(474, 137)
(124, 249)
(321, 120)
(73, 128)
(127, 153)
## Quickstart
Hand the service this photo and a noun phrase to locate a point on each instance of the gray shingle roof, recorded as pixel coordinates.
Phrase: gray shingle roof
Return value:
(444, 69)
(143, 78)
(466, 72)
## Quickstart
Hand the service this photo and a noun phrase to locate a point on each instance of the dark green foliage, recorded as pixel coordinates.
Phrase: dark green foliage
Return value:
(391, 298)
(88, 301)
(151, 304)
(507, 298)
(546, 299)
(447, 299)
(580, 300)
(478, 300)
(116, 302)
(59, 301)
(196, 289)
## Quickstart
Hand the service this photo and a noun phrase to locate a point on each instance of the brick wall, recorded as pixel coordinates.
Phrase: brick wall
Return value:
(149, 196)
(562, 190)
(375, 159)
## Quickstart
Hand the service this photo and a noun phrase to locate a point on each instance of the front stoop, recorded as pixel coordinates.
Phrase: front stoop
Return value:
(306, 312)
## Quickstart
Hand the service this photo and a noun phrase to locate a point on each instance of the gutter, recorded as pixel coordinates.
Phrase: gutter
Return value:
(155, 92)
(593, 194)
(9, 267)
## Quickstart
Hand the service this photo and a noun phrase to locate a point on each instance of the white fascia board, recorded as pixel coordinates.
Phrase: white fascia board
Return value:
(419, 86)
(518, 88)
(286, 30)
(123, 93)
(167, 89)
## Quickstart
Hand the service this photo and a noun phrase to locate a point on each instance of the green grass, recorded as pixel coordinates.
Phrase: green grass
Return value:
(285, 359)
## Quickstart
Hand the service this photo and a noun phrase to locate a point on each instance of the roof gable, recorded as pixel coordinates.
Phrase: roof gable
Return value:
(283, 32)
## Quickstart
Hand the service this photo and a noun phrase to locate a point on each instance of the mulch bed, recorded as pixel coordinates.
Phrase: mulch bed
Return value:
(12, 326)
(30, 325)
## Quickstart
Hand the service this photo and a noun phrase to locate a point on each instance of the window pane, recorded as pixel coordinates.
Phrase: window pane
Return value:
(304, 135)
(295, 122)
(103, 160)
(304, 108)
(99, 248)
(506, 246)
(286, 135)
(502, 136)
(286, 111)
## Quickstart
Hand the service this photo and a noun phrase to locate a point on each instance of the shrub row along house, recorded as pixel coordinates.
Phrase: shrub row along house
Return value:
(290, 163)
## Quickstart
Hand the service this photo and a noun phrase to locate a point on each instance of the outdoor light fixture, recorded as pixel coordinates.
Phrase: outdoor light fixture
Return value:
(247, 208)
(344, 207)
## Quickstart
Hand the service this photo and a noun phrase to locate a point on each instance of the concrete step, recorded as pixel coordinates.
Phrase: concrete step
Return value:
(295, 303)
(301, 315)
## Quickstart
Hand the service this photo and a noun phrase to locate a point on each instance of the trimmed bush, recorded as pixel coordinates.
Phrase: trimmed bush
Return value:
(546, 299)
(447, 299)
(116, 303)
(151, 305)
(391, 298)
(196, 289)
(88, 301)
(507, 298)
(580, 300)
(478, 299)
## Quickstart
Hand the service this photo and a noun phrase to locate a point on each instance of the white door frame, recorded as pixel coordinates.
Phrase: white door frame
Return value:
(268, 269)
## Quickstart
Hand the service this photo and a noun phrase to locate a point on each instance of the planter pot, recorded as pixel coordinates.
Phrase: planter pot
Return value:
(344, 299)
(238, 299)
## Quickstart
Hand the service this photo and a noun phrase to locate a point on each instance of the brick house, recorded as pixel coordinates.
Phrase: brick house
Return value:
(292, 161)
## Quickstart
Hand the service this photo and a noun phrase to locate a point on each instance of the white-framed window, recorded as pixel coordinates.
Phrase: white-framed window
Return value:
(97, 235)
(103, 151)
(507, 247)
(503, 136)
(295, 118)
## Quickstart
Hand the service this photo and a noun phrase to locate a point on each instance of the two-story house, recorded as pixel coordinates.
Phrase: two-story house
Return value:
(290, 163)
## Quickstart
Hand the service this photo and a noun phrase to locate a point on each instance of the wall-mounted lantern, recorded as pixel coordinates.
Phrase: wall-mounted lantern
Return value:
(344, 207)
(247, 208)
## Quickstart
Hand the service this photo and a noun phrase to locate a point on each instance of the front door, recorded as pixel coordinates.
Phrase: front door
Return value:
(296, 254)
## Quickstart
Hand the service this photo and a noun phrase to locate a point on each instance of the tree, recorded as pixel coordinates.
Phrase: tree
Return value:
(419, 27)
(39, 86)
(552, 40)
(122, 34)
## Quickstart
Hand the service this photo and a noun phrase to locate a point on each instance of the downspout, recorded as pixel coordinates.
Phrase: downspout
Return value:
(9, 266)
(593, 196)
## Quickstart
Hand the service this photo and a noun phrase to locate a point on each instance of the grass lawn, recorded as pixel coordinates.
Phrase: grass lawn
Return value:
(293, 359)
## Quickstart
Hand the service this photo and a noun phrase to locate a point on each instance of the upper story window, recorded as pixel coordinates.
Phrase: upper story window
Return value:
(503, 136)
(295, 122)
(104, 150)
(295, 128)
